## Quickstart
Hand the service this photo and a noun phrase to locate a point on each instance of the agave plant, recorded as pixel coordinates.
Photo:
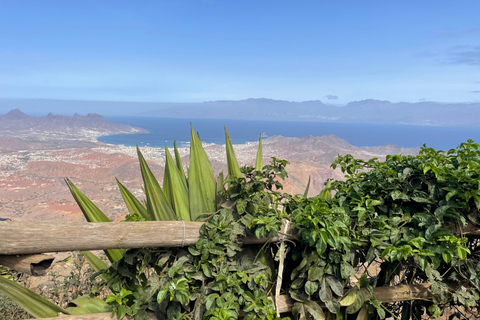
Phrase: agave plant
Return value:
(185, 198)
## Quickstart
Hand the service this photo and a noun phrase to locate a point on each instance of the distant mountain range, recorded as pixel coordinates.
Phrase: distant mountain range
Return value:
(365, 111)
(16, 121)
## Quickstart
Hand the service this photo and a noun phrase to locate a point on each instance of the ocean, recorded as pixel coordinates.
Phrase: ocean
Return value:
(165, 130)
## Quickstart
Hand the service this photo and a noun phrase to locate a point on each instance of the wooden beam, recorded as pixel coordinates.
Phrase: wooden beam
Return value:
(42, 237)
(285, 303)
(35, 265)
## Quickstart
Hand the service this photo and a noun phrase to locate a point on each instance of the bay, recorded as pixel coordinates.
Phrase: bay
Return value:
(165, 130)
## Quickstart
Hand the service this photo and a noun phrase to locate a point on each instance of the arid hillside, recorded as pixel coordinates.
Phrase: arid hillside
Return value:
(32, 183)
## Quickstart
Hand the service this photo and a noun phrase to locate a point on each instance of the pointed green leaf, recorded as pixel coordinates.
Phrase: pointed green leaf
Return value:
(350, 298)
(326, 193)
(90, 305)
(259, 159)
(178, 161)
(175, 188)
(219, 189)
(96, 263)
(305, 193)
(93, 214)
(314, 309)
(233, 168)
(31, 302)
(134, 206)
(201, 182)
(157, 204)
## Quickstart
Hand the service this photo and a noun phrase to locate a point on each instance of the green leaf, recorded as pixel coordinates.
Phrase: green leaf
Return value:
(335, 284)
(133, 205)
(346, 270)
(178, 161)
(333, 306)
(162, 294)
(93, 214)
(358, 303)
(232, 164)
(321, 246)
(158, 206)
(350, 298)
(325, 293)
(201, 182)
(363, 314)
(175, 188)
(314, 310)
(315, 273)
(462, 252)
(31, 302)
(90, 305)
(326, 192)
(311, 287)
(207, 270)
(259, 159)
(97, 264)
(305, 193)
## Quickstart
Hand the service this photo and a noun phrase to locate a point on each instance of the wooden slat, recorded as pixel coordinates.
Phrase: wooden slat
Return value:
(42, 237)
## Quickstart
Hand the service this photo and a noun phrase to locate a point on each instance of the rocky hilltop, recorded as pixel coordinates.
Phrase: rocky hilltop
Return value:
(17, 123)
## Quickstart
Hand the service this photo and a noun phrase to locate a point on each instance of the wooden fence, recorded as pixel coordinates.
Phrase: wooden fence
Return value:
(20, 241)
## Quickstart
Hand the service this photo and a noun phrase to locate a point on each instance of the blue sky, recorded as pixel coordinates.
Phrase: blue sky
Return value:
(193, 51)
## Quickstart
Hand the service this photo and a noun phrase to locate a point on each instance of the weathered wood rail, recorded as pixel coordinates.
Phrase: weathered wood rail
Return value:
(27, 238)
(18, 238)
(41, 237)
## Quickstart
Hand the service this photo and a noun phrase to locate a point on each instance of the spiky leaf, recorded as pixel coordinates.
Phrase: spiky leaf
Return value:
(326, 193)
(31, 302)
(175, 188)
(88, 305)
(93, 214)
(305, 194)
(233, 168)
(178, 161)
(201, 182)
(259, 159)
(96, 263)
(157, 204)
(134, 206)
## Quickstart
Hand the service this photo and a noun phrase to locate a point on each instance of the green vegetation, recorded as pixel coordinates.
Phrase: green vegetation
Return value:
(391, 222)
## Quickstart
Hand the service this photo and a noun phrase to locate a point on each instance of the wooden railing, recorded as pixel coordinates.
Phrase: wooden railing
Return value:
(20, 241)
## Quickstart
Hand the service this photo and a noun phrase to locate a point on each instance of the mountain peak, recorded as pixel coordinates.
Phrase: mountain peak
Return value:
(16, 114)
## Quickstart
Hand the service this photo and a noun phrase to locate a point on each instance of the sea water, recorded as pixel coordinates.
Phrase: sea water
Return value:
(165, 130)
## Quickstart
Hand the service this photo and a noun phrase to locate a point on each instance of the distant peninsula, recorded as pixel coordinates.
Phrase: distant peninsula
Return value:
(18, 124)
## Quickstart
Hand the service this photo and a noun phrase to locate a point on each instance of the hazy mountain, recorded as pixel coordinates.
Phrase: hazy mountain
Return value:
(17, 121)
(364, 111)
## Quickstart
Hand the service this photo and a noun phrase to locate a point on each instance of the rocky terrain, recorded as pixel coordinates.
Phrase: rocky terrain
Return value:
(32, 172)
(59, 128)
